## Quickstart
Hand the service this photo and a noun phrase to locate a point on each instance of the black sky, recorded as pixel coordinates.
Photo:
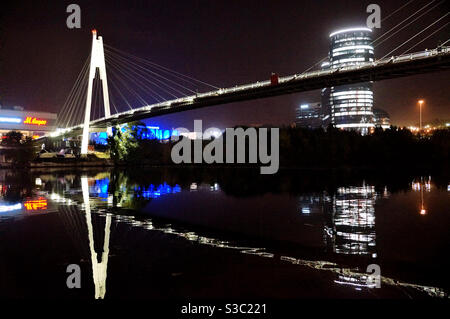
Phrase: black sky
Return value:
(221, 42)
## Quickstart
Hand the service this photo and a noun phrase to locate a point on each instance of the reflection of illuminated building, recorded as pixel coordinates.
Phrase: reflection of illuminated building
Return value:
(5, 208)
(99, 224)
(214, 187)
(36, 204)
(352, 226)
(153, 191)
(313, 204)
(422, 184)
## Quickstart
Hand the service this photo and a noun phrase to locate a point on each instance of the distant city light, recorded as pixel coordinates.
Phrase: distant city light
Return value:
(304, 106)
(306, 210)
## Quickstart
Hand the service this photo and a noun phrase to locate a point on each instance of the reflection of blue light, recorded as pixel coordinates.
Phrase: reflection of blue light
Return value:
(4, 209)
(100, 189)
(306, 210)
(154, 192)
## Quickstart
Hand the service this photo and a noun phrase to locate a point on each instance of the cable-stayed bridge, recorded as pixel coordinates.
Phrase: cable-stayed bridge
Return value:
(388, 68)
(115, 87)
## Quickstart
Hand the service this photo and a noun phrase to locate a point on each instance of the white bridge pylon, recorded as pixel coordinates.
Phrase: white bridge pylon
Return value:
(97, 61)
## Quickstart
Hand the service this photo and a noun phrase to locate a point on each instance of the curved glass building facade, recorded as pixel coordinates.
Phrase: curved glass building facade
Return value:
(349, 106)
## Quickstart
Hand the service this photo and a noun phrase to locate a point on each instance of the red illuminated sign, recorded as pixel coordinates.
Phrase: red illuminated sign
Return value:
(34, 121)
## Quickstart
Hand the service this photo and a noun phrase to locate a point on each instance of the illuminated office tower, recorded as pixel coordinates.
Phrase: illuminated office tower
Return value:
(349, 106)
(309, 115)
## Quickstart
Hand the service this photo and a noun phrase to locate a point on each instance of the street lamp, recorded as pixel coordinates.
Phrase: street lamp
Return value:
(420, 114)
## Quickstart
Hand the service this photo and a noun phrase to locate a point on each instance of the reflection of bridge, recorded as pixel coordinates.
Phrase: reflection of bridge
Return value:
(385, 68)
(104, 230)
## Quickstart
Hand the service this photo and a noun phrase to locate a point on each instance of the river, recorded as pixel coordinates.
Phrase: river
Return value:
(222, 232)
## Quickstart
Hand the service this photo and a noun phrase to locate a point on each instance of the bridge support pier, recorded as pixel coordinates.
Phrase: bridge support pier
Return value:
(97, 61)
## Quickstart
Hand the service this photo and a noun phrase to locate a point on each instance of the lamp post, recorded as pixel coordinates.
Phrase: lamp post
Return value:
(420, 115)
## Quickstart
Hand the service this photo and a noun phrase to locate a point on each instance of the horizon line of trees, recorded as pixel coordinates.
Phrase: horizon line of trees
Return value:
(309, 148)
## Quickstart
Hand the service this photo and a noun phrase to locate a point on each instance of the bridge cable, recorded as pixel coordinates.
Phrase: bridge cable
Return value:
(140, 85)
(404, 20)
(65, 110)
(81, 102)
(394, 12)
(80, 111)
(427, 38)
(136, 73)
(439, 3)
(162, 67)
(130, 89)
(135, 68)
(429, 26)
(76, 103)
(120, 93)
(379, 37)
(159, 75)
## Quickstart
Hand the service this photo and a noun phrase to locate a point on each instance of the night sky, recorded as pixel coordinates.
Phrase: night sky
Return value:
(221, 42)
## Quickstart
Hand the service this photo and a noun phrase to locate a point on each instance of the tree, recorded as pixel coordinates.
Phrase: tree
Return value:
(16, 149)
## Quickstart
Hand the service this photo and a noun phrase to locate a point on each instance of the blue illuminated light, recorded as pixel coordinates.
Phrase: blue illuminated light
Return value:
(100, 138)
(153, 132)
(143, 132)
(4, 119)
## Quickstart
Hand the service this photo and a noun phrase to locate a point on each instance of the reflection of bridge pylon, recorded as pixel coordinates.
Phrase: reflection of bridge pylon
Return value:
(97, 61)
(99, 269)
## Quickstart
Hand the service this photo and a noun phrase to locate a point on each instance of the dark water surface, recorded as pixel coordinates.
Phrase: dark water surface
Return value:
(211, 233)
